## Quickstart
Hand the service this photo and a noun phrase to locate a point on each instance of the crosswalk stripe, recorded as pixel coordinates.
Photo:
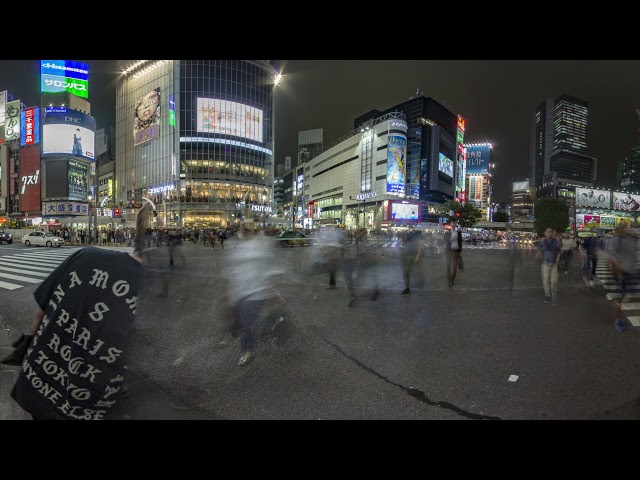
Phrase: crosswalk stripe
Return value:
(30, 267)
(26, 265)
(9, 286)
(635, 321)
(630, 306)
(15, 270)
(21, 278)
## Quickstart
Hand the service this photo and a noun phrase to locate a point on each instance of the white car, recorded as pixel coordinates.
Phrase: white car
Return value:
(42, 239)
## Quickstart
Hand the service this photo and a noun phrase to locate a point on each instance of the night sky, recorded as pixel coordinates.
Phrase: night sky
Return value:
(498, 98)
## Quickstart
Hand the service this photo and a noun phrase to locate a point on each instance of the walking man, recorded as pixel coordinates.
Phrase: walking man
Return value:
(549, 252)
(410, 256)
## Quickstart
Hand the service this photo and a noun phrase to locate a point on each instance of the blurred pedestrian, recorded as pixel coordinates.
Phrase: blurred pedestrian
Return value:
(251, 270)
(75, 366)
(549, 251)
(455, 246)
(410, 256)
(623, 257)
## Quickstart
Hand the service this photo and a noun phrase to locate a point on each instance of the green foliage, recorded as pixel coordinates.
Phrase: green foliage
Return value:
(500, 217)
(551, 212)
(468, 216)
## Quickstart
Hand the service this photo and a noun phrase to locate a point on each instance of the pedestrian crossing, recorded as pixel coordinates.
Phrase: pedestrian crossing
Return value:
(631, 305)
(488, 246)
(31, 267)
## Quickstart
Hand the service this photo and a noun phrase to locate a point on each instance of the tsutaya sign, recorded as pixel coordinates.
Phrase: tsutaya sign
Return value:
(261, 208)
(364, 196)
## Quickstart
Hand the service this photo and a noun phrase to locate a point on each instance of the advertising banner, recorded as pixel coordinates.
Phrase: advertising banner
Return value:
(12, 121)
(619, 220)
(520, 187)
(77, 178)
(592, 221)
(626, 201)
(146, 117)
(29, 126)
(445, 165)
(228, 118)
(64, 208)
(405, 211)
(580, 220)
(478, 158)
(69, 133)
(607, 222)
(64, 76)
(30, 180)
(3, 106)
(396, 155)
(589, 197)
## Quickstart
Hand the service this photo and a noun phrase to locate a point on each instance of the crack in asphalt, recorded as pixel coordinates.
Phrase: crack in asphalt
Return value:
(413, 392)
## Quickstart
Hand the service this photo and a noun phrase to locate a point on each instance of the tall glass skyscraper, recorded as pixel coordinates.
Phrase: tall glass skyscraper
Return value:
(559, 143)
(196, 137)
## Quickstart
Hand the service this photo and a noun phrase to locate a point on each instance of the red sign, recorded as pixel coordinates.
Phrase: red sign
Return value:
(30, 180)
(29, 125)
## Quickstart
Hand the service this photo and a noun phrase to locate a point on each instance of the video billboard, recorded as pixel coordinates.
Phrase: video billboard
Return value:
(64, 76)
(445, 165)
(146, 117)
(478, 158)
(29, 126)
(590, 197)
(228, 118)
(69, 133)
(396, 155)
(520, 187)
(30, 180)
(405, 211)
(626, 201)
(77, 179)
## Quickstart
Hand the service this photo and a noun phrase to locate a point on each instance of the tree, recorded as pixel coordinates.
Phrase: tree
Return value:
(466, 214)
(500, 217)
(551, 212)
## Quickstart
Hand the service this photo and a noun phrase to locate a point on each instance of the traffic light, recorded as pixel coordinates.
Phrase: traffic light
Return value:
(116, 213)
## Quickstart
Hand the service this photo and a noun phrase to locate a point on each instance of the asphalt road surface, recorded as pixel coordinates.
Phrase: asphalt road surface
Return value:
(487, 348)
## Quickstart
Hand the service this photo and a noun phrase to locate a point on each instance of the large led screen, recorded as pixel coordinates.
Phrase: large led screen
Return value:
(64, 76)
(445, 165)
(590, 197)
(146, 117)
(228, 118)
(405, 211)
(396, 155)
(69, 133)
(626, 201)
(478, 158)
(77, 178)
(521, 186)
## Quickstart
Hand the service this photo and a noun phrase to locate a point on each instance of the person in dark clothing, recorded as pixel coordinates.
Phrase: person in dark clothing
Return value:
(455, 247)
(75, 366)
(591, 247)
(410, 256)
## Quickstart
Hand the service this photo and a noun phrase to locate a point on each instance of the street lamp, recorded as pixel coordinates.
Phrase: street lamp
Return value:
(90, 198)
(264, 208)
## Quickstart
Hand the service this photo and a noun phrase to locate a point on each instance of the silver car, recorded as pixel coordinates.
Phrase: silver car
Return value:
(42, 239)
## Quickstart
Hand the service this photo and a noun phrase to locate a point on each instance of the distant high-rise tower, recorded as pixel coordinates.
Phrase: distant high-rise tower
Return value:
(309, 144)
(559, 143)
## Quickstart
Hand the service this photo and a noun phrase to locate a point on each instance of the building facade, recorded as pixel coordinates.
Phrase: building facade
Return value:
(196, 138)
(435, 162)
(359, 181)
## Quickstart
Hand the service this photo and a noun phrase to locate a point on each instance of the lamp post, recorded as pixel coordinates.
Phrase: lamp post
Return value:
(90, 198)
(264, 208)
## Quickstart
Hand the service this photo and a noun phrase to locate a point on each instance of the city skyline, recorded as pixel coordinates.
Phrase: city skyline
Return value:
(498, 99)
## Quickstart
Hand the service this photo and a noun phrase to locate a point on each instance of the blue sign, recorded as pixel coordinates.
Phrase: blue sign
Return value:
(65, 68)
(478, 158)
